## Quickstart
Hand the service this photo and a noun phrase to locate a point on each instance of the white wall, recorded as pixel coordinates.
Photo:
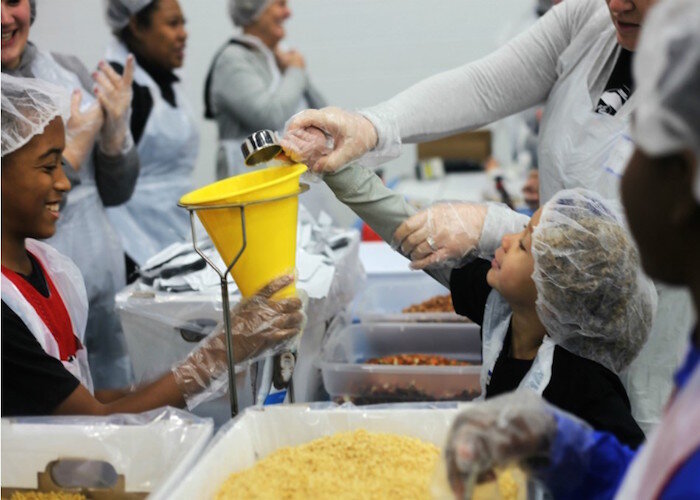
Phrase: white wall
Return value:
(358, 52)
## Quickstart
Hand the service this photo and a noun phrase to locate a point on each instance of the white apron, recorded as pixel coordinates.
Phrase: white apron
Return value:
(167, 149)
(581, 148)
(497, 315)
(231, 148)
(69, 283)
(85, 235)
(669, 446)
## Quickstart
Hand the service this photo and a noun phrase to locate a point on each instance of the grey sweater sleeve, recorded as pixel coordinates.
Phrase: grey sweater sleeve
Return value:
(242, 90)
(513, 78)
(381, 208)
(115, 176)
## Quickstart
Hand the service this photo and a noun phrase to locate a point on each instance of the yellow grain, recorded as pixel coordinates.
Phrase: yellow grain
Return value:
(52, 495)
(350, 465)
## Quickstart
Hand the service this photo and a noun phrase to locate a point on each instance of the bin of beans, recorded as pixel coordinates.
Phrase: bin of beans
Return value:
(300, 452)
(372, 363)
(418, 298)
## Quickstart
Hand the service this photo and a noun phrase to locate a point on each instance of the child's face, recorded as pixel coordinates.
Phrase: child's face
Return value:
(33, 184)
(513, 265)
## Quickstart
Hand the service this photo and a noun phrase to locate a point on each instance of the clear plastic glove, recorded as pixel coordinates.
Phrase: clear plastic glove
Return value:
(441, 235)
(351, 136)
(81, 129)
(259, 326)
(517, 427)
(114, 93)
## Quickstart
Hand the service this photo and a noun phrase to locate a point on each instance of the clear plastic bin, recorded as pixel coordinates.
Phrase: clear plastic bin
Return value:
(384, 301)
(347, 378)
(118, 456)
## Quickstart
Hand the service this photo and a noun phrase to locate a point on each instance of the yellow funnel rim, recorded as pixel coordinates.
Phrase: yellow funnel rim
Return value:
(220, 191)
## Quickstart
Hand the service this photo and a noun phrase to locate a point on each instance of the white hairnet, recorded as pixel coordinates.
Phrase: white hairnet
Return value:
(591, 294)
(28, 106)
(118, 12)
(667, 75)
(244, 12)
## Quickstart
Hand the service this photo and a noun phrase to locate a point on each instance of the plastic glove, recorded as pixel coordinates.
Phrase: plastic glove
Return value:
(114, 93)
(81, 130)
(306, 145)
(513, 428)
(441, 235)
(351, 135)
(259, 326)
(522, 428)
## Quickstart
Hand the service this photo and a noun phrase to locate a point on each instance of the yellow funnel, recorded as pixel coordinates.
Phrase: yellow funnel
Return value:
(271, 228)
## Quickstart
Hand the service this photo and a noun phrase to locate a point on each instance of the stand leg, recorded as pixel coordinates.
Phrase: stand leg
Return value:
(232, 393)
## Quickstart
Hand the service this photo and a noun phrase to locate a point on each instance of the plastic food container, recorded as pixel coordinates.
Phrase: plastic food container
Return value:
(385, 300)
(347, 377)
(120, 456)
(257, 432)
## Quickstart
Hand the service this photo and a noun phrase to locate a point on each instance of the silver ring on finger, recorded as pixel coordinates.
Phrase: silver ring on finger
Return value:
(431, 243)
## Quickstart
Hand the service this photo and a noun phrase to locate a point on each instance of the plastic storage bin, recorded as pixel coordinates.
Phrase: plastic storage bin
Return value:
(347, 378)
(383, 301)
(113, 457)
(260, 431)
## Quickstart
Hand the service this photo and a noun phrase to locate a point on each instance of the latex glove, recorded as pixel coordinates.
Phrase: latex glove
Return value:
(307, 145)
(81, 129)
(441, 235)
(517, 427)
(351, 133)
(114, 93)
(259, 326)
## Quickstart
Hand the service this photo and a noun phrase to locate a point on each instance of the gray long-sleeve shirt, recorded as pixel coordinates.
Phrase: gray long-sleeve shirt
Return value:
(516, 77)
(115, 176)
(242, 99)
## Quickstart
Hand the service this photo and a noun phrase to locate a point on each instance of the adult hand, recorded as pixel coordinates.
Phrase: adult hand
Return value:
(81, 129)
(516, 427)
(259, 325)
(347, 136)
(289, 58)
(114, 93)
(441, 235)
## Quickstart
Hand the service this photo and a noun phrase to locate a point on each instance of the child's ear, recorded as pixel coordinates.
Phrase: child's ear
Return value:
(135, 28)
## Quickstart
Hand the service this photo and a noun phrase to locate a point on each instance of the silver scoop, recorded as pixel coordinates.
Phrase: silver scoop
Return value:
(260, 147)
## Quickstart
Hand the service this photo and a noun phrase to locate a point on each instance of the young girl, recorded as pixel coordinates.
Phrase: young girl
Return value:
(563, 305)
(45, 368)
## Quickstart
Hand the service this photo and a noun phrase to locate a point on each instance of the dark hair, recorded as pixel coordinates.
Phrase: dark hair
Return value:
(144, 19)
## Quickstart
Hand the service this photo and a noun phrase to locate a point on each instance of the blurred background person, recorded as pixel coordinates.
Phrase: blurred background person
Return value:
(253, 83)
(161, 123)
(102, 164)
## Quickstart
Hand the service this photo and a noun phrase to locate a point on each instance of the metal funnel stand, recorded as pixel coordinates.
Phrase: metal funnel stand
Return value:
(223, 275)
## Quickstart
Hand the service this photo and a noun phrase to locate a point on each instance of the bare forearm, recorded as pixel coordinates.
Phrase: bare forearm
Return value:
(162, 392)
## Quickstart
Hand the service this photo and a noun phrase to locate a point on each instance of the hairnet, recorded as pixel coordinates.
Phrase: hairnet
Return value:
(592, 297)
(118, 12)
(28, 105)
(244, 12)
(667, 74)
